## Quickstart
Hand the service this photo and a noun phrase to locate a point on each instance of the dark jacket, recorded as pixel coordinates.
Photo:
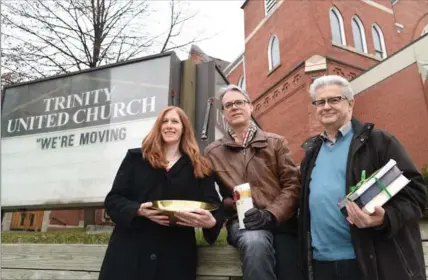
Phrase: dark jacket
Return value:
(267, 165)
(141, 249)
(393, 251)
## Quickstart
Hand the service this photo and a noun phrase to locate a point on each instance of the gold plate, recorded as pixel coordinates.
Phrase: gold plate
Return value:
(169, 207)
(182, 205)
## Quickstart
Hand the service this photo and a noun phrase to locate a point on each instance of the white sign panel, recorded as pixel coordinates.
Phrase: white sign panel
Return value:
(64, 139)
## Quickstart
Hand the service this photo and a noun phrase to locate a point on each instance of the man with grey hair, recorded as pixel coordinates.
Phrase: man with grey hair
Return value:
(247, 154)
(383, 246)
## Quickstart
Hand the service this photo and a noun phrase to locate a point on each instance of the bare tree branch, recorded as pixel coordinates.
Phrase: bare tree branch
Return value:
(43, 38)
(176, 21)
(141, 9)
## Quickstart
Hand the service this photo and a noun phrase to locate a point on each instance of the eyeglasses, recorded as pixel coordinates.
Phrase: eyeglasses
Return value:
(237, 103)
(331, 101)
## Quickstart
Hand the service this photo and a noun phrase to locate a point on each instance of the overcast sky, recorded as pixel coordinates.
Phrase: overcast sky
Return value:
(226, 18)
(222, 21)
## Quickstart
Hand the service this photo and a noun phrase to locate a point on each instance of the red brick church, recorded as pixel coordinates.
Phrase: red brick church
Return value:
(379, 45)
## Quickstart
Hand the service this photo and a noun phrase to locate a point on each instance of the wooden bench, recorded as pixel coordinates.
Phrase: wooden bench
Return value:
(78, 261)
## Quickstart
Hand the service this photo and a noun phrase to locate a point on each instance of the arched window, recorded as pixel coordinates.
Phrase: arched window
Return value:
(336, 25)
(378, 41)
(273, 52)
(359, 34)
(241, 82)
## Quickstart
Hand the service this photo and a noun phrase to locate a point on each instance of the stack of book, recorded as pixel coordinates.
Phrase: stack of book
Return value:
(376, 190)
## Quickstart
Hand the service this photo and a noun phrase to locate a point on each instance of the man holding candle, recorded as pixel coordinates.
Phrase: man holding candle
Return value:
(246, 154)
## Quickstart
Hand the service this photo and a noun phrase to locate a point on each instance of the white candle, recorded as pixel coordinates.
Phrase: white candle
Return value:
(244, 201)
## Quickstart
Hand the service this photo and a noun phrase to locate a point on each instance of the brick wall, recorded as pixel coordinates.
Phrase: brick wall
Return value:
(65, 217)
(303, 29)
(399, 105)
(281, 100)
(235, 74)
(414, 16)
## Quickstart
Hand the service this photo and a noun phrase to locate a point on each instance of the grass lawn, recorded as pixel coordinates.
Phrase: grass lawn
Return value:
(79, 236)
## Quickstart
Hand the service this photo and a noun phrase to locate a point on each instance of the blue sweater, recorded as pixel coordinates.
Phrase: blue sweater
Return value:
(331, 238)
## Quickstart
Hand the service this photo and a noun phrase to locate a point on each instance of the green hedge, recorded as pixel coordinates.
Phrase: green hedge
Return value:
(79, 236)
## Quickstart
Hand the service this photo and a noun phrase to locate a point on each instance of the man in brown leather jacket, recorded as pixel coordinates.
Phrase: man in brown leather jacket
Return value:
(247, 154)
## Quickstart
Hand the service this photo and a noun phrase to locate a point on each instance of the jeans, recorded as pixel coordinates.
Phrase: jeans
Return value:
(286, 246)
(256, 250)
(337, 270)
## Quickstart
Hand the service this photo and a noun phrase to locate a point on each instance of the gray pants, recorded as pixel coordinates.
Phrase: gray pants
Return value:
(257, 252)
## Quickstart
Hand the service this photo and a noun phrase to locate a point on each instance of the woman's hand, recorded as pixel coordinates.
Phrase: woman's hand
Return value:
(199, 218)
(153, 215)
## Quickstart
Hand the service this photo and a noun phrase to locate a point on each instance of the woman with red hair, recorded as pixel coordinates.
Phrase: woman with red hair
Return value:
(169, 165)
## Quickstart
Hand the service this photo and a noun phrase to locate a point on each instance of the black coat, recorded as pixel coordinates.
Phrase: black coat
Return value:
(140, 249)
(393, 251)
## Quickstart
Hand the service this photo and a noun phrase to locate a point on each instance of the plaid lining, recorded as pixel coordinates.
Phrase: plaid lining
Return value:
(249, 134)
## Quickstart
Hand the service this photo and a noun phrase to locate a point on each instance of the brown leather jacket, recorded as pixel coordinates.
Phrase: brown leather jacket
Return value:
(266, 164)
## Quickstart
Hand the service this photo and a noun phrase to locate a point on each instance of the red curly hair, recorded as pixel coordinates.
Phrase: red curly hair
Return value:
(153, 146)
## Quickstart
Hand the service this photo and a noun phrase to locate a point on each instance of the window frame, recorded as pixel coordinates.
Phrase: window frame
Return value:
(339, 17)
(272, 40)
(355, 19)
(378, 31)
